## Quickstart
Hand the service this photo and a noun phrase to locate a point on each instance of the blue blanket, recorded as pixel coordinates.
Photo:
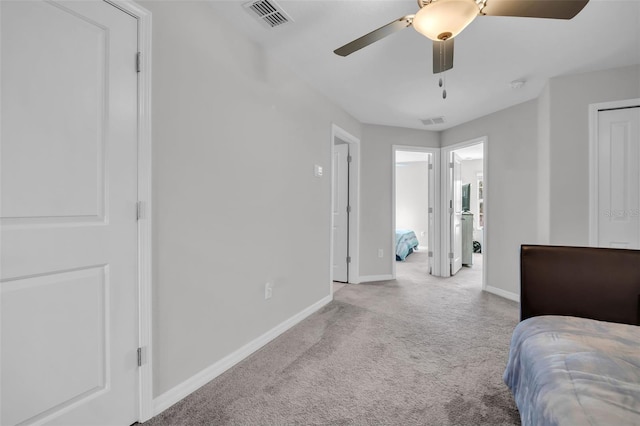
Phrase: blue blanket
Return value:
(406, 242)
(575, 371)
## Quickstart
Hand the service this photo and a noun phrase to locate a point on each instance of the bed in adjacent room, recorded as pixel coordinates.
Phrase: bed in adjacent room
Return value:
(406, 243)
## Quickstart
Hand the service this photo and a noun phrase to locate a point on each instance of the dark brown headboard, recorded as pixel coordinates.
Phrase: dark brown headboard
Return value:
(587, 282)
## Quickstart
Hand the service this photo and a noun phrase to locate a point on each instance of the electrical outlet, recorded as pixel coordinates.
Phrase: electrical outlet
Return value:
(268, 290)
(380, 253)
(422, 234)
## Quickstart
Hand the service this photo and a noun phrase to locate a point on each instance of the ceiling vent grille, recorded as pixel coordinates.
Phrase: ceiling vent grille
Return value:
(268, 12)
(433, 120)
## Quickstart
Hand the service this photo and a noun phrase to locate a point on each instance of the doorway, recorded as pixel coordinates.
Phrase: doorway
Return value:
(414, 212)
(465, 201)
(345, 173)
(341, 211)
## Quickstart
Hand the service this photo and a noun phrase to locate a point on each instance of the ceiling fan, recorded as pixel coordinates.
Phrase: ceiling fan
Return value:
(442, 20)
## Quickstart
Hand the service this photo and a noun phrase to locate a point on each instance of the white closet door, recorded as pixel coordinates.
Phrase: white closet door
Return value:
(68, 214)
(619, 178)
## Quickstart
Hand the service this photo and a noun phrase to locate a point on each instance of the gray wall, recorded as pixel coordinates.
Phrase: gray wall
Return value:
(538, 169)
(569, 99)
(511, 187)
(412, 199)
(375, 191)
(235, 199)
(236, 203)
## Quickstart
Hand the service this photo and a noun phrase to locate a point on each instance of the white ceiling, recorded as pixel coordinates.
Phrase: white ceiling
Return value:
(390, 82)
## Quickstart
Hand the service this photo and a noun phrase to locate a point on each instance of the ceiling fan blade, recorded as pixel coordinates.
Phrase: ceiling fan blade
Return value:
(558, 9)
(442, 56)
(373, 36)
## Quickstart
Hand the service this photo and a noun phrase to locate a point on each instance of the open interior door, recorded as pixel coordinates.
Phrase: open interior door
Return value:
(455, 209)
(430, 214)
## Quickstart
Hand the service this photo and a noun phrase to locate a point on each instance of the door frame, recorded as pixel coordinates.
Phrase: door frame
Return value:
(446, 218)
(594, 109)
(145, 318)
(338, 132)
(434, 197)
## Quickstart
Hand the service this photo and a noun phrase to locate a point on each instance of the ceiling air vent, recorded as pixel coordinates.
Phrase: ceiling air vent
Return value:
(268, 12)
(433, 120)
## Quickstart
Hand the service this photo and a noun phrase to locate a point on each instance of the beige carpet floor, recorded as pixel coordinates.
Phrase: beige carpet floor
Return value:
(419, 350)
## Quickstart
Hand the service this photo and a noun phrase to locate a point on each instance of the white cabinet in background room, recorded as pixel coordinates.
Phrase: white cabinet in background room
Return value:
(467, 238)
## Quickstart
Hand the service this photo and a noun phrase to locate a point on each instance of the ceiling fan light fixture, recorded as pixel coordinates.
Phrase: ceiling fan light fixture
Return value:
(444, 19)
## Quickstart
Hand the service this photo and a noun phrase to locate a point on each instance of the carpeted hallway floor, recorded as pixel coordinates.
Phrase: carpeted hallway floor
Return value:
(416, 351)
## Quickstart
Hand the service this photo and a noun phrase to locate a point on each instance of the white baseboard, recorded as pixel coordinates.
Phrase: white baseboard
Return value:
(503, 293)
(194, 383)
(370, 278)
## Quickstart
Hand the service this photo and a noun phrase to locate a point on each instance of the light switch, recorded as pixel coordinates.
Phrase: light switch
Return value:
(317, 171)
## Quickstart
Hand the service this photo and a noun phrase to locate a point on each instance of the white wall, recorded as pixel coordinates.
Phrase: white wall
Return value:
(544, 166)
(570, 97)
(412, 198)
(235, 199)
(511, 187)
(375, 191)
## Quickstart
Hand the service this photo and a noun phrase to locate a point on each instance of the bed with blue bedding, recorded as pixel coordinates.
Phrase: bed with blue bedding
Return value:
(575, 356)
(406, 243)
(566, 370)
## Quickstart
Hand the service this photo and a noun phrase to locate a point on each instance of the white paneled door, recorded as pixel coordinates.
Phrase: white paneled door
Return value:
(619, 178)
(68, 214)
(340, 213)
(455, 207)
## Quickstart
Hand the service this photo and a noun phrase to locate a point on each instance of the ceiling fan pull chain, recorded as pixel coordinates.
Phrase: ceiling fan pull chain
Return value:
(440, 60)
